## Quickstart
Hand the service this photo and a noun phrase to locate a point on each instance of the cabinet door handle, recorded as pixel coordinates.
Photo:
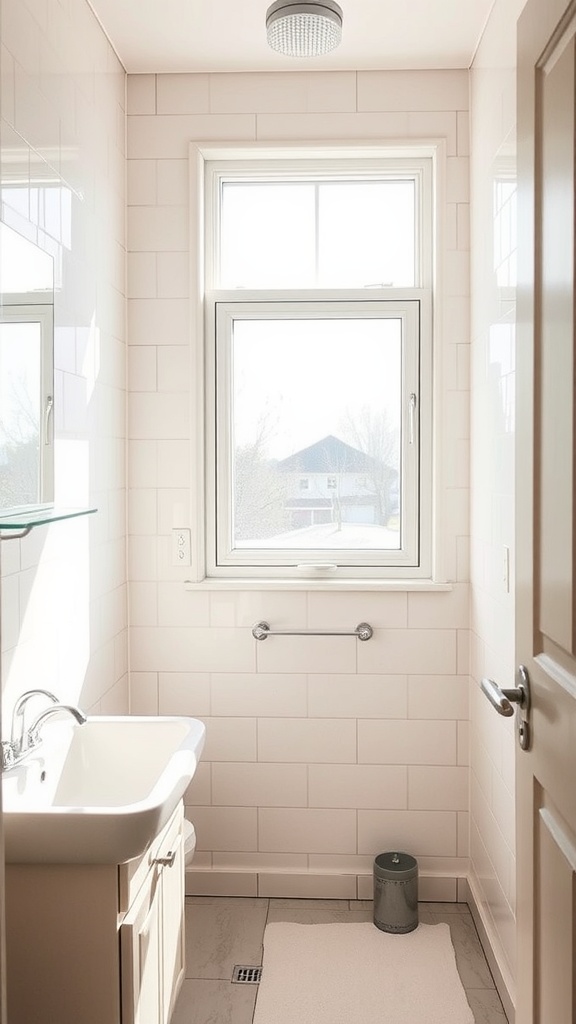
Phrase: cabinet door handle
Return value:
(168, 860)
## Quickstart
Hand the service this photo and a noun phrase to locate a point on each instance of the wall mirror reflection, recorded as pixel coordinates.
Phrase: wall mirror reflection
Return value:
(26, 373)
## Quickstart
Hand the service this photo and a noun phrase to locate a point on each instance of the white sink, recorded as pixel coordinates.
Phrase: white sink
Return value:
(98, 793)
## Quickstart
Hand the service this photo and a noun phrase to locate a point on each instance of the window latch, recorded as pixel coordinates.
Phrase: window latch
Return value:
(412, 416)
(47, 414)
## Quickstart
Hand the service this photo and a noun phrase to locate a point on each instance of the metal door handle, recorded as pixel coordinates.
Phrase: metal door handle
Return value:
(503, 700)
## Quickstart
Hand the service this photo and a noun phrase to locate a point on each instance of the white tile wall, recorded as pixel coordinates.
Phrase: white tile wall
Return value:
(407, 742)
(307, 740)
(438, 697)
(264, 695)
(423, 833)
(341, 696)
(438, 788)
(410, 650)
(64, 605)
(320, 752)
(492, 475)
(415, 91)
(295, 830)
(268, 785)
(358, 785)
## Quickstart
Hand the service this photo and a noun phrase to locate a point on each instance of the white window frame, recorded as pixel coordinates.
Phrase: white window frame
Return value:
(216, 159)
(27, 309)
(222, 558)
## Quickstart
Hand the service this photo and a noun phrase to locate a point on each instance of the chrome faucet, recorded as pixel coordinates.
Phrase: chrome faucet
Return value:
(23, 740)
(16, 748)
(18, 735)
(34, 730)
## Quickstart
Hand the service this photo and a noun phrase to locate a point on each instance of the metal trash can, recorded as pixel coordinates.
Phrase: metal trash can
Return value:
(396, 892)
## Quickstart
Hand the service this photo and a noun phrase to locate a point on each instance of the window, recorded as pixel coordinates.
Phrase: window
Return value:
(26, 389)
(318, 367)
(26, 373)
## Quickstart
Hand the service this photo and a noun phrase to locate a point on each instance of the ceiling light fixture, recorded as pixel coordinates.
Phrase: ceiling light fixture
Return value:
(304, 29)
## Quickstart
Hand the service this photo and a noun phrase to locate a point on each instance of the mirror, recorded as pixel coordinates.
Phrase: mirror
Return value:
(26, 373)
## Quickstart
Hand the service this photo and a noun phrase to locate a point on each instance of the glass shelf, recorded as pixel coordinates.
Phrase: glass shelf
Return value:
(25, 519)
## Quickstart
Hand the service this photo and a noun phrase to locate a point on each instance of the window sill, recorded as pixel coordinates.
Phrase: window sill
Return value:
(210, 583)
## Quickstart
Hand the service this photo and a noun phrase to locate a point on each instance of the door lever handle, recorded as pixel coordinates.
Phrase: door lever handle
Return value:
(502, 700)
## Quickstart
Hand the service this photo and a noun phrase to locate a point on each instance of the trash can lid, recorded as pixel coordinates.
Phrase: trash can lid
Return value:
(397, 866)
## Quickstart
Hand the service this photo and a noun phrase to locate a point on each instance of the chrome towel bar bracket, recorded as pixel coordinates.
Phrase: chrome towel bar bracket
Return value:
(262, 630)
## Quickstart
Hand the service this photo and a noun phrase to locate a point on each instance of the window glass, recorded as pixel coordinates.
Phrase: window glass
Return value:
(315, 437)
(267, 236)
(20, 413)
(366, 234)
(321, 234)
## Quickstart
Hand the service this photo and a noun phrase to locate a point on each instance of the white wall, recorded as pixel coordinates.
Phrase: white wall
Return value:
(320, 753)
(493, 170)
(62, 139)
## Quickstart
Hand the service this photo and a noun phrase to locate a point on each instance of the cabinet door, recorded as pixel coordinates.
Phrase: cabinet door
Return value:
(141, 943)
(152, 940)
(173, 938)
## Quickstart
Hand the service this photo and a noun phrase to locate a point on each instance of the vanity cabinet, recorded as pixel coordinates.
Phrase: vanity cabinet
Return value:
(152, 937)
(98, 943)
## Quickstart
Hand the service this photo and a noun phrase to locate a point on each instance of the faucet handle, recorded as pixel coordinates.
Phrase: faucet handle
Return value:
(8, 755)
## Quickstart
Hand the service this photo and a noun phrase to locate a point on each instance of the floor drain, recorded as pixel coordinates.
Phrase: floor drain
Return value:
(246, 975)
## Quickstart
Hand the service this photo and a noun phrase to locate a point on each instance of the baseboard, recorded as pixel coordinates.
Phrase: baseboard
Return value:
(495, 957)
(307, 885)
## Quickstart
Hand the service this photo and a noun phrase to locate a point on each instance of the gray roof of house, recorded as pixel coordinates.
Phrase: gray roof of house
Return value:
(330, 455)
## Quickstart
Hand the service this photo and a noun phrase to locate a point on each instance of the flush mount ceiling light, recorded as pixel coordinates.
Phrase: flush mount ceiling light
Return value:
(304, 29)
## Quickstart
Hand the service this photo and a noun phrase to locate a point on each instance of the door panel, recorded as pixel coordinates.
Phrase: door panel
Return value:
(554, 914)
(140, 939)
(173, 954)
(555, 413)
(546, 549)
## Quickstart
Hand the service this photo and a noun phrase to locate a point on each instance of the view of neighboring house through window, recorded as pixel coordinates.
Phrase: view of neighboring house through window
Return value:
(318, 357)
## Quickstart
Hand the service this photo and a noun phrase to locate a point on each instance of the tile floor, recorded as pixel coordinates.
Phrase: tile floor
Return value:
(222, 932)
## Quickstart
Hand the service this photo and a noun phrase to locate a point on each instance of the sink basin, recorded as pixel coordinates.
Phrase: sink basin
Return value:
(98, 793)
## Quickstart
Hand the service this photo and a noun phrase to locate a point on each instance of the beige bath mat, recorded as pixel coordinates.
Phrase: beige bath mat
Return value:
(357, 974)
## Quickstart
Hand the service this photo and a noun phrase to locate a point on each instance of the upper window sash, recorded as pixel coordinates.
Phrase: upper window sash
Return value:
(344, 170)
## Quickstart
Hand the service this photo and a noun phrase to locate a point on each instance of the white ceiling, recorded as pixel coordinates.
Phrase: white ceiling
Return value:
(229, 35)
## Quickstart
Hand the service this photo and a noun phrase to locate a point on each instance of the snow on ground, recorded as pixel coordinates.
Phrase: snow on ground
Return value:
(328, 536)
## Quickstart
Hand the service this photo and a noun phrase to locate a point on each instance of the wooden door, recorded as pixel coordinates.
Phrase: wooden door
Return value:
(545, 525)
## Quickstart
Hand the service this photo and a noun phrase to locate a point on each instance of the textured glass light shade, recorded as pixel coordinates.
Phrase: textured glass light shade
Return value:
(304, 29)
